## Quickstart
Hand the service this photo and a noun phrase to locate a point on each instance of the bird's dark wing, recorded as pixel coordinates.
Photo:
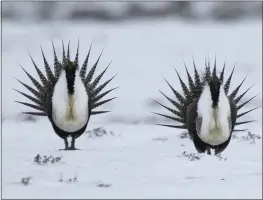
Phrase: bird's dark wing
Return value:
(233, 110)
(191, 116)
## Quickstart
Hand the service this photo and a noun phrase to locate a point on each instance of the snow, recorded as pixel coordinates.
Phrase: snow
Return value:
(134, 163)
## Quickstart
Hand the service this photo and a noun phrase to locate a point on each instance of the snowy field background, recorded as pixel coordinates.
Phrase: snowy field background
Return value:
(139, 160)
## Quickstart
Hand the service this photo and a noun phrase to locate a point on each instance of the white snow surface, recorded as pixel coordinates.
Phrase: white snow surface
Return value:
(134, 163)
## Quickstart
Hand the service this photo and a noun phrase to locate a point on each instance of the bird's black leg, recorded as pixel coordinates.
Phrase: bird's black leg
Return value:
(72, 146)
(208, 151)
(66, 144)
(199, 145)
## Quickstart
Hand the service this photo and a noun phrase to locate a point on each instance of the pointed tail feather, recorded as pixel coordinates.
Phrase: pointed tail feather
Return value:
(227, 84)
(98, 89)
(197, 77)
(244, 113)
(243, 104)
(207, 70)
(170, 109)
(99, 97)
(68, 53)
(57, 65)
(222, 73)
(35, 113)
(33, 91)
(185, 89)
(83, 69)
(234, 93)
(190, 80)
(64, 54)
(31, 106)
(244, 122)
(91, 72)
(76, 61)
(40, 74)
(96, 81)
(214, 70)
(177, 105)
(239, 130)
(40, 103)
(49, 73)
(241, 96)
(98, 112)
(170, 117)
(34, 81)
(177, 94)
(95, 105)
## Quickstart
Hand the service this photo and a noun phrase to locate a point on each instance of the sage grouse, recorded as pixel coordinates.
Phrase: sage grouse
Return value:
(67, 97)
(206, 109)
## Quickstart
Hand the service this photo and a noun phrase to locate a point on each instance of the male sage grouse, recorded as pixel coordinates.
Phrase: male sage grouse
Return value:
(67, 97)
(206, 109)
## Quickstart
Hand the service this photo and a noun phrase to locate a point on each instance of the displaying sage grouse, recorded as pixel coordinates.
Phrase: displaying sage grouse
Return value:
(206, 109)
(67, 97)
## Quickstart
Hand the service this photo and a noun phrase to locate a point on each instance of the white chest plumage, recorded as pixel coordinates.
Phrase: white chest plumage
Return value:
(215, 128)
(70, 112)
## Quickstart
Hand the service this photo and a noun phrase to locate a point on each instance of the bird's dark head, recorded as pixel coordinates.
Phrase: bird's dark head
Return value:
(214, 83)
(70, 67)
(70, 70)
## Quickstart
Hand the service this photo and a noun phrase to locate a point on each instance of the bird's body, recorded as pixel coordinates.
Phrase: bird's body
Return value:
(67, 98)
(215, 127)
(206, 110)
(70, 112)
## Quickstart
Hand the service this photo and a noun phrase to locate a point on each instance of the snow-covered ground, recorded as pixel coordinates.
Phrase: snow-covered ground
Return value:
(138, 162)
(133, 163)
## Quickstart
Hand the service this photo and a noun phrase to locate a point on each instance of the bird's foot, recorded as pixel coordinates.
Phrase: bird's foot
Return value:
(209, 151)
(73, 148)
(66, 149)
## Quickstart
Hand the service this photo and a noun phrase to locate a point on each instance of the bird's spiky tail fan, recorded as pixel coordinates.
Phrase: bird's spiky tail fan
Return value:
(93, 89)
(193, 92)
(45, 87)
